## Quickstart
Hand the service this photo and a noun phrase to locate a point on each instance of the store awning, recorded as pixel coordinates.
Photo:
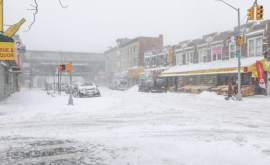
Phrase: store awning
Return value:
(216, 67)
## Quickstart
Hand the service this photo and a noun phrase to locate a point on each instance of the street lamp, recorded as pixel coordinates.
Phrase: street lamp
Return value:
(239, 94)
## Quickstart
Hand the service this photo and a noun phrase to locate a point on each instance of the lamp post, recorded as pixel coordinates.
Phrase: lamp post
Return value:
(239, 94)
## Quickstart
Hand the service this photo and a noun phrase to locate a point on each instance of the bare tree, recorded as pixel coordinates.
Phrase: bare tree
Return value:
(35, 8)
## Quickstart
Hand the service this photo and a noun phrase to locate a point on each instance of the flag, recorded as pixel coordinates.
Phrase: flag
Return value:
(260, 72)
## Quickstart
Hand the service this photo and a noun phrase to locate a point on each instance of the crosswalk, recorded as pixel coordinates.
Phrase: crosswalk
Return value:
(31, 151)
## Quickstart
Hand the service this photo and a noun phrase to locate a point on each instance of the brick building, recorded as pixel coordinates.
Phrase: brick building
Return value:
(128, 56)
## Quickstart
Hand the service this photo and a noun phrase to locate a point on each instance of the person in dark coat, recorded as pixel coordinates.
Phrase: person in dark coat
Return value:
(235, 89)
(230, 90)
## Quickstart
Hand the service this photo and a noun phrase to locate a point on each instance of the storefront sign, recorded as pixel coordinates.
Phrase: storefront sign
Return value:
(260, 74)
(216, 50)
(7, 51)
(170, 55)
(254, 74)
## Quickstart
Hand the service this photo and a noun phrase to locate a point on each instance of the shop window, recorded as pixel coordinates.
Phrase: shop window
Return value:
(179, 58)
(255, 47)
(203, 55)
(189, 57)
(216, 53)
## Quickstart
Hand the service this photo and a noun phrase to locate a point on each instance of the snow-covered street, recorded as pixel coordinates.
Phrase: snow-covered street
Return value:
(131, 127)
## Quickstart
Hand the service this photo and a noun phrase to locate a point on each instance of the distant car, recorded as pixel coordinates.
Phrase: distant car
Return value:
(86, 89)
(118, 84)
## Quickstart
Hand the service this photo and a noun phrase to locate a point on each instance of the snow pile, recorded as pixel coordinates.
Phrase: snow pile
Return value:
(209, 95)
(135, 88)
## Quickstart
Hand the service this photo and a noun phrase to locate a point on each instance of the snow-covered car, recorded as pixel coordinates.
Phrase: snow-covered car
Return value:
(86, 89)
(118, 84)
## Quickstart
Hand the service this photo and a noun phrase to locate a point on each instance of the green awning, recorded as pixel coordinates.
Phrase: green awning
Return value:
(4, 38)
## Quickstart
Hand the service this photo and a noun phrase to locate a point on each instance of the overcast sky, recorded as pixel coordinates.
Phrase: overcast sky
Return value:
(94, 25)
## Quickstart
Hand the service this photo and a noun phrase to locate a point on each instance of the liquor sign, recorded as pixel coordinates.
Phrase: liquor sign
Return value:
(7, 51)
(260, 74)
(216, 50)
(12, 30)
(1, 16)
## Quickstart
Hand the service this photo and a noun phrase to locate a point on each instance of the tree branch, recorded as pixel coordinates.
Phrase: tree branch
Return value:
(36, 9)
(62, 5)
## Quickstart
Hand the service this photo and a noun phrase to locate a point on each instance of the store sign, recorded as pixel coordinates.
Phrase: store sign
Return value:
(22, 49)
(7, 51)
(254, 74)
(170, 55)
(216, 50)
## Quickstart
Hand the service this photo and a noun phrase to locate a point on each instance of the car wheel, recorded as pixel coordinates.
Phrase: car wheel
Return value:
(98, 94)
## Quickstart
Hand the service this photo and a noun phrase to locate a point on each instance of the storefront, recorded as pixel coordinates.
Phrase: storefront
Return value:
(216, 73)
(133, 75)
(9, 67)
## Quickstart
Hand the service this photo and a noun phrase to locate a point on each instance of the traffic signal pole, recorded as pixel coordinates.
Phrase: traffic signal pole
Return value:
(239, 94)
(70, 101)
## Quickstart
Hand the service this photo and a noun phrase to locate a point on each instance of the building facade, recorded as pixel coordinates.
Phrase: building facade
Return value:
(129, 55)
(218, 49)
(40, 64)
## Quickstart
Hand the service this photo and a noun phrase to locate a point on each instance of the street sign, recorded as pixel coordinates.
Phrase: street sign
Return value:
(235, 54)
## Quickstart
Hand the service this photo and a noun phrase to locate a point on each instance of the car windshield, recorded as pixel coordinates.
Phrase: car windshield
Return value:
(87, 84)
(123, 82)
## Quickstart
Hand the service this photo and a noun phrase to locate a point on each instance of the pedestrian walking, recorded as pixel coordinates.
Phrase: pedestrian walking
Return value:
(230, 90)
(235, 89)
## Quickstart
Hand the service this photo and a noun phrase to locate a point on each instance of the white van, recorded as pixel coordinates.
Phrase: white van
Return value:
(118, 84)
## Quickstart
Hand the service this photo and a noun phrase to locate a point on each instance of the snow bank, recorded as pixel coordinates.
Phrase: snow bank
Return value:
(135, 88)
(209, 95)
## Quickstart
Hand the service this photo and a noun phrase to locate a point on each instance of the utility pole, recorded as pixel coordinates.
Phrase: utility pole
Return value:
(239, 94)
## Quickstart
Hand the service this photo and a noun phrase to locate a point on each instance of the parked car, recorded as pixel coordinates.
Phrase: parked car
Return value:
(86, 89)
(73, 85)
(153, 86)
(118, 84)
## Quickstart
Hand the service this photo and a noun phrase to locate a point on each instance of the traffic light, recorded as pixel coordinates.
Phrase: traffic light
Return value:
(239, 41)
(63, 68)
(250, 13)
(245, 69)
(259, 12)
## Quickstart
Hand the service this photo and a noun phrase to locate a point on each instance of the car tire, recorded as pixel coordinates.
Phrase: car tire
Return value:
(98, 94)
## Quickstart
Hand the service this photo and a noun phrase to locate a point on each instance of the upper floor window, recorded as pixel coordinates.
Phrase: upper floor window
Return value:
(216, 53)
(153, 47)
(255, 47)
(189, 57)
(203, 55)
(135, 49)
(179, 58)
(232, 50)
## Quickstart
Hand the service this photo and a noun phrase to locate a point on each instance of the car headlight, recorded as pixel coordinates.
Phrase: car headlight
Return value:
(82, 90)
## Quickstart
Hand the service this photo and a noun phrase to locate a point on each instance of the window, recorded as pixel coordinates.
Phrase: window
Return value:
(135, 49)
(216, 53)
(255, 47)
(153, 47)
(203, 55)
(232, 50)
(179, 58)
(189, 57)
